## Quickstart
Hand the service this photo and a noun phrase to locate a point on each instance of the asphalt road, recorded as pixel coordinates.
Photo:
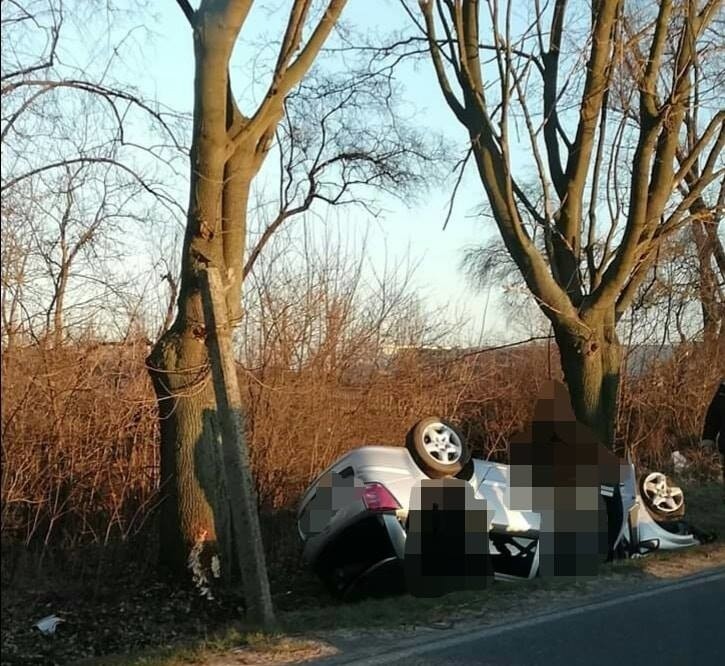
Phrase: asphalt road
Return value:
(679, 624)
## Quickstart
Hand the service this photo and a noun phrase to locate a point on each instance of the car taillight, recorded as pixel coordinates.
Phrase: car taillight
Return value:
(377, 497)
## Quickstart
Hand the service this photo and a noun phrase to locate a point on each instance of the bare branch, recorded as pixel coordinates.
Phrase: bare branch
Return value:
(188, 11)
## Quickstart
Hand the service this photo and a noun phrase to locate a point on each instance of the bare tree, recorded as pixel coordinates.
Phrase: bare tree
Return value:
(341, 143)
(556, 79)
(76, 231)
(711, 274)
(228, 150)
(15, 252)
(704, 212)
(84, 158)
(338, 141)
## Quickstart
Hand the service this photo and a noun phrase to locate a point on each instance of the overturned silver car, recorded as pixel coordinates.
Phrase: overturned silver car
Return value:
(359, 519)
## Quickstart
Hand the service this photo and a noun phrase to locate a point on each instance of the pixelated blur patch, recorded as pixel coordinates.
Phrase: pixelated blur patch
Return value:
(557, 469)
(447, 544)
(555, 450)
(335, 490)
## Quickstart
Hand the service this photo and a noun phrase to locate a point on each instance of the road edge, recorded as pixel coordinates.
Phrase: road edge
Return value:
(463, 633)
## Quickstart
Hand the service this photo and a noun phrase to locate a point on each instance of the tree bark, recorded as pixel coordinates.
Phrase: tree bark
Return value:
(711, 308)
(194, 507)
(591, 367)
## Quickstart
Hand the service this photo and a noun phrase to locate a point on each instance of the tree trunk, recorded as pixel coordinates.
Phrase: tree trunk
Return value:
(227, 152)
(194, 509)
(194, 501)
(591, 369)
(59, 305)
(712, 315)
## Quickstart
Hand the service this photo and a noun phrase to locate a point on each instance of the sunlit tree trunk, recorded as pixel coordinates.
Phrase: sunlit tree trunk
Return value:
(227, 152)
(591, 368)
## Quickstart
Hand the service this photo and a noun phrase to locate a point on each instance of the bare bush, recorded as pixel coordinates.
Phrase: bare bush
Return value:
(80, 458)
(78, 443)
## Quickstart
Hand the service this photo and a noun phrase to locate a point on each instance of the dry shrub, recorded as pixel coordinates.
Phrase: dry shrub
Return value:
(78, 444)
(300, 422)
(80, 459)
(79, 425)
(662, 410)
(79, 428)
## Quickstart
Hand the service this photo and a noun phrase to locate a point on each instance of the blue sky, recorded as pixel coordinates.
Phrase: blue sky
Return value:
(166, 59)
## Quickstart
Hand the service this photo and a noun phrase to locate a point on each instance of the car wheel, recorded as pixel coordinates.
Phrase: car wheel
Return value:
(663, 500)
(437, 447)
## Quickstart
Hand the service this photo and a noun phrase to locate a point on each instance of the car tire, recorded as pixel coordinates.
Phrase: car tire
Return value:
(663, 500)
(437, 447)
